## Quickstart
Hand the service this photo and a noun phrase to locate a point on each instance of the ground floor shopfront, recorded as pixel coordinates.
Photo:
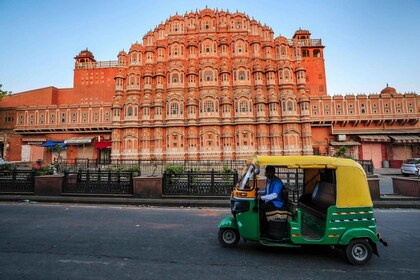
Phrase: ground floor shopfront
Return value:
(383, 149)
(32, 148)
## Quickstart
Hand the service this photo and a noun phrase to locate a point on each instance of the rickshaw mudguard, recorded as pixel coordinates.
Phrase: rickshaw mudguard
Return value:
(357, 233)
(228, 222)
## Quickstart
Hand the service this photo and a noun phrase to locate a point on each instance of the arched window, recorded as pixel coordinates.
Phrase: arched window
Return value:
(208, 106)
(243, 106)
(208, 75)
(175, 78)
(286, 74)
(174, 108)
(129, 111)
(131, 80)
(241, 75)
(317, 53)
(289, 106)
(283, 51)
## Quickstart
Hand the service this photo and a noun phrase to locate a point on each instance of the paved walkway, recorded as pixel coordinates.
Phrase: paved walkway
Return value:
(387, 201)
(387, 171)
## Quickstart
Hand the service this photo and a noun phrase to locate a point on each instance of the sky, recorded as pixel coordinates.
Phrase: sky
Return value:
(368, 43)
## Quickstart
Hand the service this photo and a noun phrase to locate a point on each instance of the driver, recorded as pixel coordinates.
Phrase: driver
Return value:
(272, 198)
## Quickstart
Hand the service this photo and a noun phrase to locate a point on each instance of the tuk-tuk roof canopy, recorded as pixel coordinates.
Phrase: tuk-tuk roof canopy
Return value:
(352, 188)
(305, 161)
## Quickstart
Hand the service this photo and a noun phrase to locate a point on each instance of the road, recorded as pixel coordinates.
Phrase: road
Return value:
(53, 241)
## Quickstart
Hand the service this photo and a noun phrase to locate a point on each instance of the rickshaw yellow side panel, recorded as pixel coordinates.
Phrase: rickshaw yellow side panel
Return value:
(352, 186)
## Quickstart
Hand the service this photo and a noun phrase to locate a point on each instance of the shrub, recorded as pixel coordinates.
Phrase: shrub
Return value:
(7, 167)
(44, 170)
(135, 169)
(226, 171)
(174, 169)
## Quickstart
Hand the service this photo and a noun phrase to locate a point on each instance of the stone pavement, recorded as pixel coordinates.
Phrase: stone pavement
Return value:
(387, 171)
(387, 201)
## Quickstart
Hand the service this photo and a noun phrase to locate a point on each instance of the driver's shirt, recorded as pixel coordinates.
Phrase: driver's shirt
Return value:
(275, 185)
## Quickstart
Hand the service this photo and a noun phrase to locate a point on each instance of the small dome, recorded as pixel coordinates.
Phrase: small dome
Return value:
(135, 47)
(86, 54)
(389, 90)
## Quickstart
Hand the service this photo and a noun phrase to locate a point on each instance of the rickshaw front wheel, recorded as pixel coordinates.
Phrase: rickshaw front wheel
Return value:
(228, 237)
(359, 251)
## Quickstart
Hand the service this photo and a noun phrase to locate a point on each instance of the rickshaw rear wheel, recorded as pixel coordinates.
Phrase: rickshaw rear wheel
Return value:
(228, 237)
(359, 251)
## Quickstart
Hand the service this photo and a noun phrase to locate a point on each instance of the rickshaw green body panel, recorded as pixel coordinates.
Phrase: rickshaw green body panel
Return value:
(339, 228)
(228, 222)
(247, 223)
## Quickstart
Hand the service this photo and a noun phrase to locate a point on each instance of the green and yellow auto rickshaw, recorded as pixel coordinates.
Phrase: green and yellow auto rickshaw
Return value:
(327, 203)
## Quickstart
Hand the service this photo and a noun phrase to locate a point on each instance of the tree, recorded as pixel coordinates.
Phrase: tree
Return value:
(56, 150)
(3, 92)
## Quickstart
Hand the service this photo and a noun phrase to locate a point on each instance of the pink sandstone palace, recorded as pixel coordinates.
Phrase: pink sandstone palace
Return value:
(208, 85)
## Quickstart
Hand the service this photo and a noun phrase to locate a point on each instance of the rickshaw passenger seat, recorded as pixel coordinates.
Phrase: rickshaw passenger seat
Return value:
(318, 202)
(326, 196)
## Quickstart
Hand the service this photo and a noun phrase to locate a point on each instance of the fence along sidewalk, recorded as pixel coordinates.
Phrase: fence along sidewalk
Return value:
(98, 182)
(17, 181)
(193, 183)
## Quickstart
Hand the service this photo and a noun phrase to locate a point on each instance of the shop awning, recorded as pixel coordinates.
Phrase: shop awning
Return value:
(52, 143)
(375, 138)
(345, 143)
(35, 139)
(103, 145)
(405, 138)
(78, 140)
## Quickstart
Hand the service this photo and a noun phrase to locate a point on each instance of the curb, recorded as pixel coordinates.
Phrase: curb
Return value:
(173, 202)
(178, 202)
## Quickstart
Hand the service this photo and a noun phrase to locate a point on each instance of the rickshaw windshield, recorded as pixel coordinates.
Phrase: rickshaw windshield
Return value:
(245, 176)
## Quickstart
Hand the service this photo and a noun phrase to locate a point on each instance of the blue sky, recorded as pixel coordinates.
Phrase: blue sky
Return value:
(368, 43)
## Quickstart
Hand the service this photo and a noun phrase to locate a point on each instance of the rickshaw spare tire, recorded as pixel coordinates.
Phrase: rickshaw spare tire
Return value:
(358, 251)
(228, 237)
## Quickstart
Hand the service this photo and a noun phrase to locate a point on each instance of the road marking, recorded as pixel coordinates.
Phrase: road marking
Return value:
(84, 262)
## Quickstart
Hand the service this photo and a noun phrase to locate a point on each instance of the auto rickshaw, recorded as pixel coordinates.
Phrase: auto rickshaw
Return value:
(327, 203)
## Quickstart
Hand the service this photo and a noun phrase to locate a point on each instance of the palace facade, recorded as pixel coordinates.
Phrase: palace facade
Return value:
(208, 85)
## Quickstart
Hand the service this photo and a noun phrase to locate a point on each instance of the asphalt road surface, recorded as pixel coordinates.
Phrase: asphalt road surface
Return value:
(53, 241)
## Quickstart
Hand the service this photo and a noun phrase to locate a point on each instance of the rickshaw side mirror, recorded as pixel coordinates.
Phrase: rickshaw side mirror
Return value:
(257, 171)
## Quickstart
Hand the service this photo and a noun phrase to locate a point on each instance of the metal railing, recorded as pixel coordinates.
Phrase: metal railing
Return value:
(194, 183)
(17, 181)
(305, 42)
(149, 167)
(98, 182)
(96, 64)
(367, 165)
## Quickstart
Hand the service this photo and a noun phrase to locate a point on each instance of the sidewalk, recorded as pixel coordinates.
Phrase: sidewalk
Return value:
(387, 171)
(386, 202)
(118, 200)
